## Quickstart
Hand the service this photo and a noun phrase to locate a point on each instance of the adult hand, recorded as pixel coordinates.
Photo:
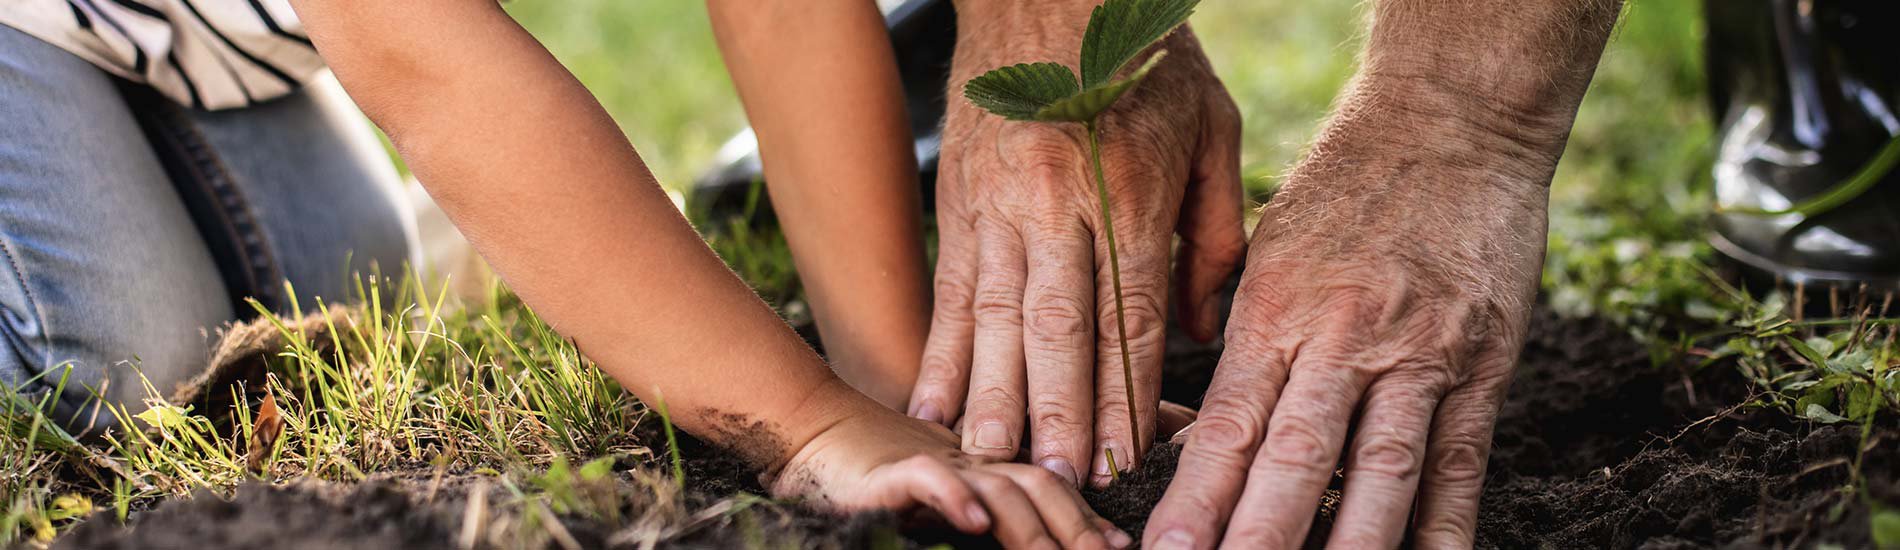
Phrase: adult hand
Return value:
(1389, 284)
(1024, 320)
(1386, 284)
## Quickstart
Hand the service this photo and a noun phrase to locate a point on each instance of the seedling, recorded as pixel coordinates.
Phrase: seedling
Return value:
(1118, 31)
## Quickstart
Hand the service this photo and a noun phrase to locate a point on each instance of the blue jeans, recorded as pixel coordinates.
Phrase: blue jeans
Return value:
(131, 228)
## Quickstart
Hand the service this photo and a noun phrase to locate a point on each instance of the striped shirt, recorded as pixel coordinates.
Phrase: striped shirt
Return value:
(210, 54)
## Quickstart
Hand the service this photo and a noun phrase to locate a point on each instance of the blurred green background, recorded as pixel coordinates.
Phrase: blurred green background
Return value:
(1626, 203)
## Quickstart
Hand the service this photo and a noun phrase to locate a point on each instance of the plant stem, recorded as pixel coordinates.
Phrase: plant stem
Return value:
(1115, 272)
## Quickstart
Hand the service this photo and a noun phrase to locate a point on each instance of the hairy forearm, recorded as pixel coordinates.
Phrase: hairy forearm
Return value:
(537, 175)
(1503, 77)
(820, 86)
(1448, 137)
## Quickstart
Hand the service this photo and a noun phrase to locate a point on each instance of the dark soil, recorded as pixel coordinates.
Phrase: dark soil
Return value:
(1598, 448)
(1595, 448)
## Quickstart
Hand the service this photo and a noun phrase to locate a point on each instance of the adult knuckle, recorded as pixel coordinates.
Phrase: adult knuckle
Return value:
(1353, 296)
(994, 398)
(1412, 382)
(1458, 460)
(1058, 317)
(1056, 416)
(1051, 175)
(1387, 455)
(1141, 311)
(999, 303)
(1446, 531)
(1224, 433)
(938, 370)
(1045, 154)
(1295, 443)
(953, 296)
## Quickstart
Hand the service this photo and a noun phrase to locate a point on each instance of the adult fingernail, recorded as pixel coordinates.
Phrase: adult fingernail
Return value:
(1175, 540)
(1118, 538)
(978, 516)
(1102, 474)
(992, 435)
(928, 412)
(1061, 468)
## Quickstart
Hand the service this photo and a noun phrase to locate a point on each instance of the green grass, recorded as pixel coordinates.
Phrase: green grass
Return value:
(656, 68)
(430, 384)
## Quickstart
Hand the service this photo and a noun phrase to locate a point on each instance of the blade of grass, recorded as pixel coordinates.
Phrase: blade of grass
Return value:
(672, 443)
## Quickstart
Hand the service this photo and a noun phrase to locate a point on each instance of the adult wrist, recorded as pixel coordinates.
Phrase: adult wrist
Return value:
(1426, 120)
(1049, 11)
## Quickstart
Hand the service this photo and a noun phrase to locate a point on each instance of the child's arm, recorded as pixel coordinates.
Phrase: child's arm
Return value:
(540, 179)
(820, 86)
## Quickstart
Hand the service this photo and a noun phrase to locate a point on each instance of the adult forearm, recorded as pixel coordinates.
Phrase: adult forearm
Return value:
(820, 86)
(1452, 130)
(537, 175)
(1503, 79)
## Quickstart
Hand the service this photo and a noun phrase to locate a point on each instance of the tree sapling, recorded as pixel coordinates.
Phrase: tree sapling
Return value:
(1118, 31)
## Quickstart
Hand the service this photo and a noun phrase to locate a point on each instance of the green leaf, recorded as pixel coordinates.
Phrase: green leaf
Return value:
(1818, 413)
(1810, 353)
(164, 417)
(1085, 105)
(1120, 29)
(1886, 528)
(1862, 402)
(1019, 92)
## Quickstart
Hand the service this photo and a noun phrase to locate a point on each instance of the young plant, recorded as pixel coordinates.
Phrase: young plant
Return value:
(1118, 31)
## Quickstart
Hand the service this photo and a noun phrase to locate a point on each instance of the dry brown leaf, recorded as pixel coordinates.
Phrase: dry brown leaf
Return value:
(264, 433)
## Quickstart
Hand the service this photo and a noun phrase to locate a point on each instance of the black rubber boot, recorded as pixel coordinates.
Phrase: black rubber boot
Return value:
(924, 35)
(1804, 93)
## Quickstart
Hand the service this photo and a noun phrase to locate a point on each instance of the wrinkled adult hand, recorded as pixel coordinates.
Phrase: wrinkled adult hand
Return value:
(1380, 313)
(1023, 340)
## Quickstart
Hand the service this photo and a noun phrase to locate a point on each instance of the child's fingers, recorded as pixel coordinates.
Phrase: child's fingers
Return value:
(929, 481)
(1067, 517)
(1117, 538)
(1018, 523)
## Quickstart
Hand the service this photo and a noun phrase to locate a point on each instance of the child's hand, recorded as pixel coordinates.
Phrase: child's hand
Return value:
(887, 461)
